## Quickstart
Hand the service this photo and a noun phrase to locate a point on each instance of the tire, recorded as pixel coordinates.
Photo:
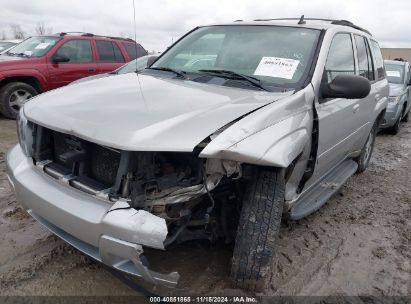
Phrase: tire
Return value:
(406, 117)
(257, 231)
(364, 159)
(13, 95)
(396, 127)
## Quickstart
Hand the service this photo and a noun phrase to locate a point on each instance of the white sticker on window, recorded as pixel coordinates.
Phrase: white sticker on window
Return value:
(394, 74)
(277, 67)
(28, 53)
(42, 46)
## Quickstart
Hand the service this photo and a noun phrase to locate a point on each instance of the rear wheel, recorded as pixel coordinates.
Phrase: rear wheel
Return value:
(406, 117)
(364, 159)
(257, 230)
(13, 96)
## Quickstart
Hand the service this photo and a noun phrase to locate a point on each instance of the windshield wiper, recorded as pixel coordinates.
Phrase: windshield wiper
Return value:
(179, 73)
(234, 75)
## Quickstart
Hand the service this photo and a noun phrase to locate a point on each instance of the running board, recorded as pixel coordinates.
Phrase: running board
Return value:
(317, 196)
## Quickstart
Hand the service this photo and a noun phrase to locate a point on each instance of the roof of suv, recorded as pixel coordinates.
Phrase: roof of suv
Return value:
(320, 24)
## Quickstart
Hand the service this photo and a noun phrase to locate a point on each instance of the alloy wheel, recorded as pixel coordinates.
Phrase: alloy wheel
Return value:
(18, 98)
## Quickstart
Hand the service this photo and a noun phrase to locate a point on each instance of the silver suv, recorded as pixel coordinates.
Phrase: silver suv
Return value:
(398, 75)
(233, 128)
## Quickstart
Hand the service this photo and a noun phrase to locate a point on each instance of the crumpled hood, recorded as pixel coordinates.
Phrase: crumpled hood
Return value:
(396, 89)
(144, 113)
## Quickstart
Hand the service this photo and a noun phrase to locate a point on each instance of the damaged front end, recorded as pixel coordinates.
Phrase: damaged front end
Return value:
(153, 199)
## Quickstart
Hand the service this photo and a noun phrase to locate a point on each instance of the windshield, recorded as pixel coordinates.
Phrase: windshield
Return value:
(275, 55)
(33, 47)
(395, 73)
(5, 45)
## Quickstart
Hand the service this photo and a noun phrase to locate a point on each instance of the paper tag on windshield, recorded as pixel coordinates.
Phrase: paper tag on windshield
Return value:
(28, 53)
(393, 74)
(42, 46)
(277, 67)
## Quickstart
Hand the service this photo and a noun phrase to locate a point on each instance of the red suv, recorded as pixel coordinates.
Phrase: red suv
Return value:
(43, 63)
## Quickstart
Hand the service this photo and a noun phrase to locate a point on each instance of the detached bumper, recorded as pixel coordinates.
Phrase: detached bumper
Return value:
(115, 238)
(392, 113)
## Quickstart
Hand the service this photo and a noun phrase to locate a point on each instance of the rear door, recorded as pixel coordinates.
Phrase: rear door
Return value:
(366, 108)
(339, 118)
(134, 50)
(381, 85)
(109, 55)
(82, 63)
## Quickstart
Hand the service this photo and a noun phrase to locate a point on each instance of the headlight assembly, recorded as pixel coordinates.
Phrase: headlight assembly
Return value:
(25, 133)
(394, 99)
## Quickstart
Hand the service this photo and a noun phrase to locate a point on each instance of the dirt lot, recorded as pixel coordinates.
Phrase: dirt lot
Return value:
(358, 244)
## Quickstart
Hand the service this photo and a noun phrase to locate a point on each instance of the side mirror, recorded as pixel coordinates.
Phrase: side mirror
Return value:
(60, 59)
(346, 86)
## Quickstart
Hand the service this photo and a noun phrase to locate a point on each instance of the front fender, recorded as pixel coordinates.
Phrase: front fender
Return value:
(272, 136)
(26, 73)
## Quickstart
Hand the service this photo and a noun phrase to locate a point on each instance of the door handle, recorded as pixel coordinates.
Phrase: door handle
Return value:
(92, 70)
(356, 108)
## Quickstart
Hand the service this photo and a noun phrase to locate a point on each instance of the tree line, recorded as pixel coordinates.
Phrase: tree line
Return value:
(15, 31)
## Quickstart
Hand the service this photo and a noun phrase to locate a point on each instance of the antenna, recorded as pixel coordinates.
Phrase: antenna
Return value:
(135, 34)
(302, 21)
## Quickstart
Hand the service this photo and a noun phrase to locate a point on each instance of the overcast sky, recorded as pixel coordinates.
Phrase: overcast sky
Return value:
(159, 22)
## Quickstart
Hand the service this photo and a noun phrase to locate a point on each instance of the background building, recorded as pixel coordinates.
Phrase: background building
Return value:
(392, 53)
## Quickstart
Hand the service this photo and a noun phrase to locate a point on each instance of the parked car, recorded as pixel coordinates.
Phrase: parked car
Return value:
(135, 65)
(5, 45)
(270, 124)
(42, 63)
(398, 75)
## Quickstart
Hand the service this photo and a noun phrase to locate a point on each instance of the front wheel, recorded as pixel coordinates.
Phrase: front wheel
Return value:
(364, 159)
(257, 231)
(13, 96)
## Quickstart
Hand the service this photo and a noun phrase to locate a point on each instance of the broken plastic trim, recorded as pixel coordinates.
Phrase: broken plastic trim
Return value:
(116, 253)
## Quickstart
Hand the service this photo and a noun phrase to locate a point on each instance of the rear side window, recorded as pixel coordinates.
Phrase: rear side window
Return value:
(364, 58)
(78, 51)
(379, 62)
(109, 52)
(134, 50)
(340, 58)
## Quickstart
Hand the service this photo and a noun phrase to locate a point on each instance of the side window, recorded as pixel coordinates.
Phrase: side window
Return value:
(134, 50)
(379, 62)
(340, 58)
(109, 52)
(364, 58)
(79, 51)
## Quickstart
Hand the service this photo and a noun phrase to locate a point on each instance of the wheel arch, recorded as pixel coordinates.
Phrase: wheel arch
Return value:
(30, 80)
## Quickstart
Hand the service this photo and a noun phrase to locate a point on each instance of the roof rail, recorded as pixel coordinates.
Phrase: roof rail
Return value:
(93, 35)
(302, 19)
(66, 33)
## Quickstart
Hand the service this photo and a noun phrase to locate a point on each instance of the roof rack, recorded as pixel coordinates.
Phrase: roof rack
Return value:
(302, 19)
(93, 35)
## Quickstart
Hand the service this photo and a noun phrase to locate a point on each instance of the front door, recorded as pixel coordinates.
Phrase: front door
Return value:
(340, 120)
(81, 63)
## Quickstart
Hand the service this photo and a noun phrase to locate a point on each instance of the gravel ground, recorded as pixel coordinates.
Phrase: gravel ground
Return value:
(357, 244)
